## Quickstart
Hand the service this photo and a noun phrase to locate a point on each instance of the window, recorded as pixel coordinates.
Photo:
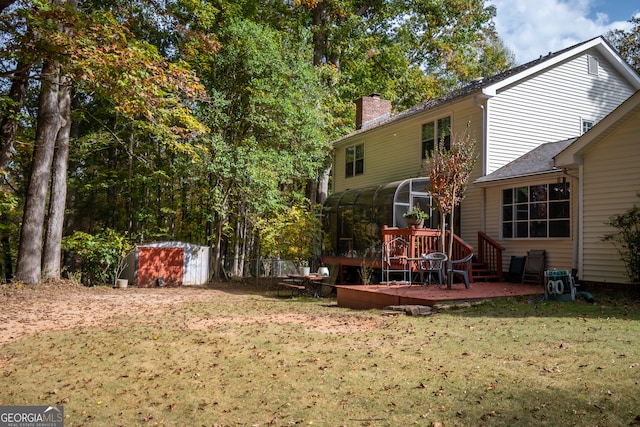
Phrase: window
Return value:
(537, 211)
(593, 65)
(354, 160)
(586, 125)
(441, 128)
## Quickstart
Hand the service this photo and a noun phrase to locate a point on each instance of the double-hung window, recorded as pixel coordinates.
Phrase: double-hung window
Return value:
(537, 211)
(438, 130)
(354, 160)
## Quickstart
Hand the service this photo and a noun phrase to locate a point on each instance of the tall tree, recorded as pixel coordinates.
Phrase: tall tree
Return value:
(267, 131)
(449, 172)
(58, 193)
(98, 54)
(29, 265)
(9, 122)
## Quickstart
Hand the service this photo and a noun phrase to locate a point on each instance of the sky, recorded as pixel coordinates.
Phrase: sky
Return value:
(531, 28)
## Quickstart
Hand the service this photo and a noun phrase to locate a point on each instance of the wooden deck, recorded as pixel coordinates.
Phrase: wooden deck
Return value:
(380, 296)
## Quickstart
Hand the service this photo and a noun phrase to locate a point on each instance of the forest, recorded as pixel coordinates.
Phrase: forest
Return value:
(208, 122)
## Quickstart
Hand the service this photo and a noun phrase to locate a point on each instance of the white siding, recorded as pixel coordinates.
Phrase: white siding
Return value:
(611, 179)
(550, 106)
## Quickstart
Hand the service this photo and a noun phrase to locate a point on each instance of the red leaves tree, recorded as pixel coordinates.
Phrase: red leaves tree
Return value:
(449, 172)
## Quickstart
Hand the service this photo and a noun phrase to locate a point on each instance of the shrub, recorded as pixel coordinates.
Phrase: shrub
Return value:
(101, 256)
(626, 239)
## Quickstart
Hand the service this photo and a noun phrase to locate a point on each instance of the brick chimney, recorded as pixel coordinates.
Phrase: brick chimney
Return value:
(370, 108)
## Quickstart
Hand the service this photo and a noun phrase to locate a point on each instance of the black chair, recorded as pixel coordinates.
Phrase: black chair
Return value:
(534, 267)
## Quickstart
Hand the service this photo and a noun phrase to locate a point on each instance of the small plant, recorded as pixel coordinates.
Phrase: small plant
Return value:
(366, 270)
(626, 239)
(102, 256)
(416, 213)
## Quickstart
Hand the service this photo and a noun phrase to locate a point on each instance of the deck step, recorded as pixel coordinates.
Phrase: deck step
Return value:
(481, 273)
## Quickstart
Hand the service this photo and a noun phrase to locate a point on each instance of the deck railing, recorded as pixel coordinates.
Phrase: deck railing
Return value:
(490, 253)
(418, 241)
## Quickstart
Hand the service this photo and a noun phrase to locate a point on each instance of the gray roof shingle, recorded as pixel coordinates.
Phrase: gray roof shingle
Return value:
(535, 162)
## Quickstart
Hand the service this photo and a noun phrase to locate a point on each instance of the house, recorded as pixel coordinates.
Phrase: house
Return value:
(605, 164)
(557, 97)
(601, 170)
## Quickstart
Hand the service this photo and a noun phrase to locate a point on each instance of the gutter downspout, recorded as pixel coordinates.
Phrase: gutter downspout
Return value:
(483, 219)
(578, 219)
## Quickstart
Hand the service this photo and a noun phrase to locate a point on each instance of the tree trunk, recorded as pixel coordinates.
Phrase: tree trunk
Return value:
(9, 123)
(7, 256)
(29, 265)
(323, 186)
(217, 249)
(319, 33)
(237, 248)
(58, 197)
(443, 231)
(130, 201)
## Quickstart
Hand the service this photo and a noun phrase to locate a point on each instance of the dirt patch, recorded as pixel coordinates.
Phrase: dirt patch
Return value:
(325, 324)
(33, 309)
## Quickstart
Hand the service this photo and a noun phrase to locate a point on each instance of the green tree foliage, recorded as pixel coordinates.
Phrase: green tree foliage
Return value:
(409, 51)
(267, 130)
(290, 234)
(205, 121)
(627, 43)
(100, 257)
(99, 57)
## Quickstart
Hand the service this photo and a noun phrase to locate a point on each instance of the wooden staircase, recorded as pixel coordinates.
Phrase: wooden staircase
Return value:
(483, 273)
(487, 265)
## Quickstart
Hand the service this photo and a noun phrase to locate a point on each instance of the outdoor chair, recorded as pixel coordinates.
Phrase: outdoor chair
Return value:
(462, 267)
(395, 259)
(430, 264)
(534, 267)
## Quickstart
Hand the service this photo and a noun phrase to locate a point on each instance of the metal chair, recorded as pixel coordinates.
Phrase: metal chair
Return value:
(431, 263)
(462, 267)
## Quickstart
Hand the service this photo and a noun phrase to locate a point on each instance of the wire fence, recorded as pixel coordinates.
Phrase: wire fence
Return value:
(261, 267)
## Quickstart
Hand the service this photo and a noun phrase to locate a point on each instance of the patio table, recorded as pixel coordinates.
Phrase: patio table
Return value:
(310, 282)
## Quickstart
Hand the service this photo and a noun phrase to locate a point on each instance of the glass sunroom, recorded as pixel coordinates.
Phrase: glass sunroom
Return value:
(353, 218)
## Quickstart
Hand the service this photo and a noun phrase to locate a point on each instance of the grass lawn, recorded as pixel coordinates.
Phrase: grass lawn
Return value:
(244, 357)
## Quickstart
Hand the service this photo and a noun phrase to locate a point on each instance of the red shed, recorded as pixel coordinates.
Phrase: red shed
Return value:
(168, 264)
(159, 266)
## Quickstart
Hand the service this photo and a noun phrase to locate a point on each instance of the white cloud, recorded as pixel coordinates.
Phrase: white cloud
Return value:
(531, 28)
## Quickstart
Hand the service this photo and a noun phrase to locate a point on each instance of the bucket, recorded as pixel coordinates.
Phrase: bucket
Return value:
(305, 271)
(122, 283)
